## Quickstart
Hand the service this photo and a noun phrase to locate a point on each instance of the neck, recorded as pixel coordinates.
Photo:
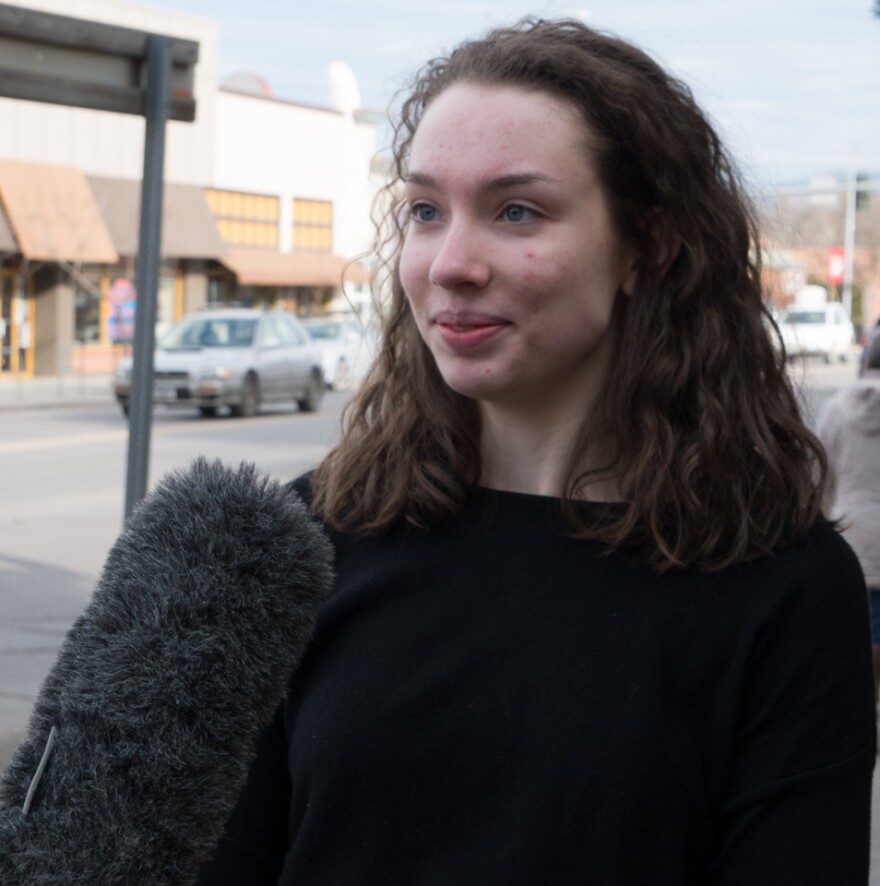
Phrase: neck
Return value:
(531, 453)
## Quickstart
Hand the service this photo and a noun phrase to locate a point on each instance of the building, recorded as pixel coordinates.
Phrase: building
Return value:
(805, 232)
(265, 202)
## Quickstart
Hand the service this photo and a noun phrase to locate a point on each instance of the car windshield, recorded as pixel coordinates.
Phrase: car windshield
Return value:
(324, 331)
(806, 317)
(211, 332)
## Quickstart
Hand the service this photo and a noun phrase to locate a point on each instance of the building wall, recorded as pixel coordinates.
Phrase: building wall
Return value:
(264, 146)
(195, 286)
(108, 144)
(238, 143)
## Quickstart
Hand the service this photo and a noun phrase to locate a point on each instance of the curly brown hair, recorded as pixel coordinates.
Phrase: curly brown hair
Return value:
(697, 415)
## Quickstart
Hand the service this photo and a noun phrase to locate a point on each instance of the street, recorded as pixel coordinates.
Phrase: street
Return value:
(62, 488)
(62, 481)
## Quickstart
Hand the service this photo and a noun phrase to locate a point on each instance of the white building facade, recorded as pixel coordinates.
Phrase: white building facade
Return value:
(266, 202)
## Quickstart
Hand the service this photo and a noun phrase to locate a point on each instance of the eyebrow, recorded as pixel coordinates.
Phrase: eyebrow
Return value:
(501, 183)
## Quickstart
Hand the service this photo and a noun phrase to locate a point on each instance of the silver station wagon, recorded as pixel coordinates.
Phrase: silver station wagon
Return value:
(232, 357)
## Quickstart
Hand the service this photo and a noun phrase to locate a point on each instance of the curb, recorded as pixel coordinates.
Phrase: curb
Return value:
(54, 391)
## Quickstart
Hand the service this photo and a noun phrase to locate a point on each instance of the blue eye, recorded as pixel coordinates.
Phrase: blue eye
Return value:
(517, 213)
(424, 212)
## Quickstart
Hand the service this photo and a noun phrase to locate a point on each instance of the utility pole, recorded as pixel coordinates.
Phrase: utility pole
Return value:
(849, 240)
(156, 108)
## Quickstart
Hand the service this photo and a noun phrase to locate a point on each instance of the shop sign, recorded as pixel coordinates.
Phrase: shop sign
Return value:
(122, 300)
(835, 265)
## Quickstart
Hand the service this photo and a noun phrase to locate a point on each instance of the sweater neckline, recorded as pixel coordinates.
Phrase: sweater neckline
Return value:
(487, 493)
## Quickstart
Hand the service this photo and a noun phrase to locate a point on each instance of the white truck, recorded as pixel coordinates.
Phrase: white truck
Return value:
(813, 326)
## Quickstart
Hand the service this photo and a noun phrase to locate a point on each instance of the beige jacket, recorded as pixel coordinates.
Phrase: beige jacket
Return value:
(849, 427)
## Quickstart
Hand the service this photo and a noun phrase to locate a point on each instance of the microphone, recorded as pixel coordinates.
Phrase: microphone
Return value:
(144, 731)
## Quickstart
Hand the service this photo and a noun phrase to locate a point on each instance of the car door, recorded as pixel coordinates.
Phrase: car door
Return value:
(272, 360)
(301, 352)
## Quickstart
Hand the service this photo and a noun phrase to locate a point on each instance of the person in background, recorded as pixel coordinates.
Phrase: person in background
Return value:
(868, 339)
(849, 427)
(588, 625)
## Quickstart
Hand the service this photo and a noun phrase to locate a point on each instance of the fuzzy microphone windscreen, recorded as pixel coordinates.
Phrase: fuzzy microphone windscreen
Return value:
(162, 686)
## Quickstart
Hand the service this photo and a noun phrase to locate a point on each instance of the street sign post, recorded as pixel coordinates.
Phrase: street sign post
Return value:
(68, 61)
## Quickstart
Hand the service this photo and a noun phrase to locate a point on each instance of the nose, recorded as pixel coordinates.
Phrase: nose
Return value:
(461, 261)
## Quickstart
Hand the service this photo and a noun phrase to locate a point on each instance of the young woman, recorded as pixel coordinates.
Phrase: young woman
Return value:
(588, 624)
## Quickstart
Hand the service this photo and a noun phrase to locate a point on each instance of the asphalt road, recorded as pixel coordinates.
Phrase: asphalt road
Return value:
(62, 482)
(62, 495)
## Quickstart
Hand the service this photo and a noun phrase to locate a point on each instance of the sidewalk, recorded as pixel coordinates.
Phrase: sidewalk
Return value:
(61, 390)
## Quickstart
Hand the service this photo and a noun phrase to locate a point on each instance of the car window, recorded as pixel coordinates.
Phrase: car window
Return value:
(807, 317)
(324, 331)
(270, 337)
(295, 328)
(210, 332)
(241, 333)
(285, 331)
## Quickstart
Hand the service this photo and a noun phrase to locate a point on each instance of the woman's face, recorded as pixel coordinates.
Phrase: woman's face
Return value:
(510, 261)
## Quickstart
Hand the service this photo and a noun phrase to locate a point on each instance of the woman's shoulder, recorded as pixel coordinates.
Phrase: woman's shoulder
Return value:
(822, 545)
(301, 486)
(819, 570)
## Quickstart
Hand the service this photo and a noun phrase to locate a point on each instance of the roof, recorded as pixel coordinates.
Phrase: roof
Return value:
(189, 229)
(268, 267)
(53, 214)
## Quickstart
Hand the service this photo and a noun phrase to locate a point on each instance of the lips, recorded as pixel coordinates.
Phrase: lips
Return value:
(464, 330)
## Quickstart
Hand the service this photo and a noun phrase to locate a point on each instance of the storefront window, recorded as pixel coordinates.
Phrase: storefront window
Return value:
(87, 301)
(16, 317)
(6, 351)
(120, 306)
(165, 304)
(122, 301)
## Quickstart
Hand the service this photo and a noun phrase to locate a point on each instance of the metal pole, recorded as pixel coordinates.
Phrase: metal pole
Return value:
(849, 240)
(147, 278)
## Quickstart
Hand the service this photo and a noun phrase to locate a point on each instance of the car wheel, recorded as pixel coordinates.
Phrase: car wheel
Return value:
(208, 411)
(314, 394)
(250, 399)
(342, 378)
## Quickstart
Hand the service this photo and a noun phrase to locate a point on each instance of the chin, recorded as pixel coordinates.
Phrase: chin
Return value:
(475, 387)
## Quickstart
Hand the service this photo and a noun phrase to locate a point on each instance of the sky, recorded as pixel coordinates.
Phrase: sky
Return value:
(793, 86)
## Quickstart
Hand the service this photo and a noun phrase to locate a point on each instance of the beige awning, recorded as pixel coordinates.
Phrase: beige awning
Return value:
(268, 267)
(53, 214)
(188, 226)
(7, 238)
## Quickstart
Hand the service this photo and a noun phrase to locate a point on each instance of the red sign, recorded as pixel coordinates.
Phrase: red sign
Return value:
(834, 267)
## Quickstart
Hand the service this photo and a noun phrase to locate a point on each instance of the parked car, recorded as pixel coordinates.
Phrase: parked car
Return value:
(817, 331)
(233, 357)
(347, 348)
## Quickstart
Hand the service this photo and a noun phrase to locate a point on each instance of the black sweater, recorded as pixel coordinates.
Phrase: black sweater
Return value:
(495, 702)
